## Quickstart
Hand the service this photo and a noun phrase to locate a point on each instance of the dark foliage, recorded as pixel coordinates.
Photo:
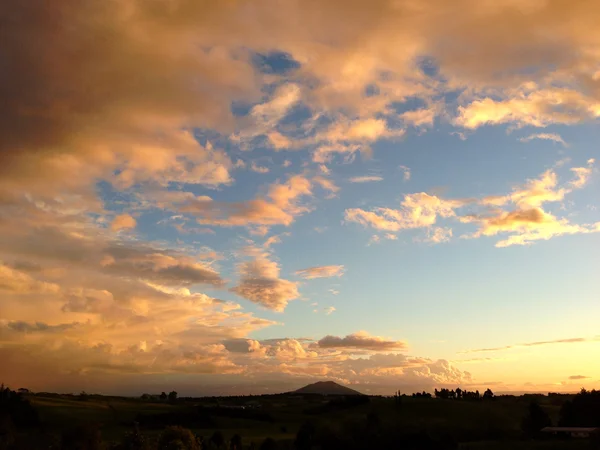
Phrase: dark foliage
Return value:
(235, 443)
(305, 437)
(177, 438)
(236, 413)
(268, 444)
(15, 406)
(190, 418)
(340, 403)
(217, 439)
(582, 411)
(535, 420)
(81, 437)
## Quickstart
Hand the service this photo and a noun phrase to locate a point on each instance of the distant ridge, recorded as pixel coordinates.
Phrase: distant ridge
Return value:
(327, 388)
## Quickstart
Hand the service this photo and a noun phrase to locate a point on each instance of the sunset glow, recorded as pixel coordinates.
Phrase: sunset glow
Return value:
(248, 196)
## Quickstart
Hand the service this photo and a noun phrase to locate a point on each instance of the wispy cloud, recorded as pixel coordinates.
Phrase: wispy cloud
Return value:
(545, 136)
(406, 172)
(366, 179)
(321, 272)
(578, 377)
(531, 344)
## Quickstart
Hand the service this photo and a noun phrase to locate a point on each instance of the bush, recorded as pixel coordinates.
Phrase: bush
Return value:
(177, 438)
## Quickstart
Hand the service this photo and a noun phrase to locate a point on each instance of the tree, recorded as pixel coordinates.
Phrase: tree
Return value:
(236, 442)
(217, 439)
(535, 420)
(488, 394)
(7, 431)
(81, 437)
(163, 396)
(582, 411)
(133, 440)
(397, 399)
(172, 396)
(459, 393)
(268, 444)
(305, 437)
(177, 438)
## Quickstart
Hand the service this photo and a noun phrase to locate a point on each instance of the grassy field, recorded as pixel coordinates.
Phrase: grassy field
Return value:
(475, 425)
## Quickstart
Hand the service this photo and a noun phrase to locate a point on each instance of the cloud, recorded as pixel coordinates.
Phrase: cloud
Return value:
(583, 175)
(529, 222)
(406, 172)
(437, 235)
(260, 283)
(13, 280)
(258, 169)
(321, 272)
(275, 239)
(537, 108)
(37, 327)
(280, 206)
(348, 137)
(242, 345)
(360, 341)
(366, 179)
(530, 344)
(578, 377)
(164, 268)
(525, 223)
(328, 310)
(418, 210)
(545, 136)
(123, 222)
(326, 184)
(419, 117)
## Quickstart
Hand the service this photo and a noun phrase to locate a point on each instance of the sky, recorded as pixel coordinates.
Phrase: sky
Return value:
(248, 196)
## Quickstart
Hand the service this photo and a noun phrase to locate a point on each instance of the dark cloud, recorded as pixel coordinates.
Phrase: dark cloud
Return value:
(38, 327)
(578, 377)
(360, 341)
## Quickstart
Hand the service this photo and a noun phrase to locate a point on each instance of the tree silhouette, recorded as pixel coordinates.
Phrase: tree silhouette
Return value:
(397, 399)
(236, 442)
(217, 439)
(305, 437)
(488, 394)
(133, 440)
(268, 444)
(535, 420)
(172, 396)
(163, 396)
(81, 437)
(582, 411)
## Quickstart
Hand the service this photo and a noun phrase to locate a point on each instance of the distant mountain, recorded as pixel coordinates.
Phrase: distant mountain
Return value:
(326, 388)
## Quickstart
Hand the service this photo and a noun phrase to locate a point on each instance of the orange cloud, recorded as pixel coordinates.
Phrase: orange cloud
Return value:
(279, 207)
(123, 222)
(538, 108)
(418, 210)
(260, 283)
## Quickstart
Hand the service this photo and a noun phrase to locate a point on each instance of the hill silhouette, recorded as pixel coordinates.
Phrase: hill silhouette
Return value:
(326, 388)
